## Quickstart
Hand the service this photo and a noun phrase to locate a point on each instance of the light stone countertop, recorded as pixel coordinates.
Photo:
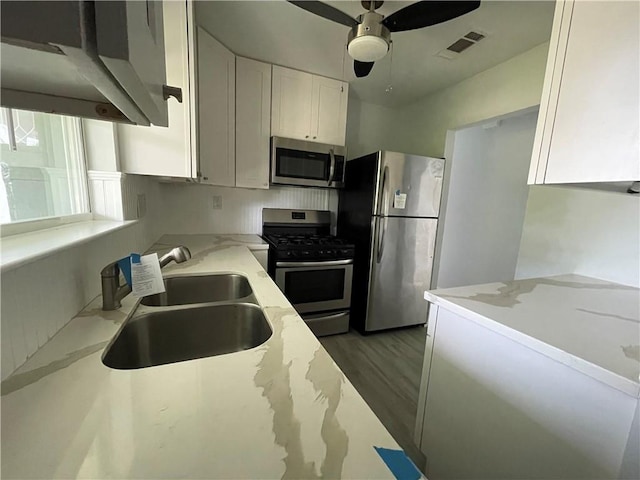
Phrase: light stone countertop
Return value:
(280, 410)
(588, 324)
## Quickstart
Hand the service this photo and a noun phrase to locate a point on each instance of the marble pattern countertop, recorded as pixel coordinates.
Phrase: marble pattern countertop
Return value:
(280, 410)
(590, 325)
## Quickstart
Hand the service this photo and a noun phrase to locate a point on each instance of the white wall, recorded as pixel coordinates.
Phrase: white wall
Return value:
(422, 127)
(100, 143)
(189, 208)
(588, 232)
(508, 87)
(370, 128)
(484, 200)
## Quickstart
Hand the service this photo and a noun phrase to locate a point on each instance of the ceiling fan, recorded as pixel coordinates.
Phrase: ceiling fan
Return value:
(370, 33)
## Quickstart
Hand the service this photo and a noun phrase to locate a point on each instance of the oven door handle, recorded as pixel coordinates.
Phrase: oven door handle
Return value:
(329, 263)
(332, 167)
(322, 316)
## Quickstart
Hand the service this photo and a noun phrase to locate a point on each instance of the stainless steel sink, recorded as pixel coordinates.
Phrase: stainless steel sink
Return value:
(202, 289)
(175, 335)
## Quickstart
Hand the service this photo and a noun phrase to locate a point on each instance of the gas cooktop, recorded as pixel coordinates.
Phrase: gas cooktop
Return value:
(285, 240)
(310, 247)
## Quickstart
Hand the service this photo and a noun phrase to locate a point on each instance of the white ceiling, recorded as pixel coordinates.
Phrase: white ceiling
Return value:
(278, 32)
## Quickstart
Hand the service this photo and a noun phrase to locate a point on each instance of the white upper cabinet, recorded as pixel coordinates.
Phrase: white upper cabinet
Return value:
(291, 103)
(328, 110)
(168, 151)
(588, 128)
(253, 122)
(216, 111)
(102, 60)
(308, 107)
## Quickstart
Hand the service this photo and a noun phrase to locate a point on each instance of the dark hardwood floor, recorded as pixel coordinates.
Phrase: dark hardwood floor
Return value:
(385, 368)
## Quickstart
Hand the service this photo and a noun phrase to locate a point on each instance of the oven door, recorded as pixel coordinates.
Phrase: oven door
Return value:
(316, 286)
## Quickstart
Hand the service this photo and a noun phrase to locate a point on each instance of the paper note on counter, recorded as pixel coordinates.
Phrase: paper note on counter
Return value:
(146, 275)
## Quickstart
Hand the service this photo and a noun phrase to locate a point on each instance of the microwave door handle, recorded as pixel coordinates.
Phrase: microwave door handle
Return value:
(332, 167)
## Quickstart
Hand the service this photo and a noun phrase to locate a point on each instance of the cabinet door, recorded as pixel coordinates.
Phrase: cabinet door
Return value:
(591, 124)
(432, 320)
(329, 110)
(130, 43)
(253, 123)
(216, 111)
(167, 151)
(291, 97)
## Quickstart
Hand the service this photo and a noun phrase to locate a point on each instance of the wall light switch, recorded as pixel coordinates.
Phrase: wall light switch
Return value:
(217, 202)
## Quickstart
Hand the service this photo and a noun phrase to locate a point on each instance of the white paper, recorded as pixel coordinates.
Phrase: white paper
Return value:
(146, 276)
(399, 200)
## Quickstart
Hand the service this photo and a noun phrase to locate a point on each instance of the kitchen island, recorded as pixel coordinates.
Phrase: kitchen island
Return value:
(280, 410)
(535, 378)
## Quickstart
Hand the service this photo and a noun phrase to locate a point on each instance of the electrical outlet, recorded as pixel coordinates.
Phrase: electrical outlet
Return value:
(142, 205)
(217, 202)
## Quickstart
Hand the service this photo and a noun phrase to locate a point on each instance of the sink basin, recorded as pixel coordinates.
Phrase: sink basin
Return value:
(202, 289)
(169, 336)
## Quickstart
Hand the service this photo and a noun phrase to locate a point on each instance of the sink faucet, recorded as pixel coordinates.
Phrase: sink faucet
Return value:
(113, 292)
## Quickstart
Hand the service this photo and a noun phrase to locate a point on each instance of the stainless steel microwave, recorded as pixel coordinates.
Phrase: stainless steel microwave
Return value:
(307, 164)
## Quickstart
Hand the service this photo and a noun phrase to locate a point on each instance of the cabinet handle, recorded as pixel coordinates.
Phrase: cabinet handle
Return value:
(314, 137)
(175, 92)
(306, 136)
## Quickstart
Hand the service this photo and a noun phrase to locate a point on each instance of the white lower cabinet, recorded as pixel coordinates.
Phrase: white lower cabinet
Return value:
(491, 407)
(253, 123)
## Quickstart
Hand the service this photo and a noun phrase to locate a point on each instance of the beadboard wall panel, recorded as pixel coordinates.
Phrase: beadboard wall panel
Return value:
(115, 195)
(40, 297)
(189, 208)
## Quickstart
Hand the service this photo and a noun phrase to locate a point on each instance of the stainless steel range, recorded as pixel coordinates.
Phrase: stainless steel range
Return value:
(313, 268)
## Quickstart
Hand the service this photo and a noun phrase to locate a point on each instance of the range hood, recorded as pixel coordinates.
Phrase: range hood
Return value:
(100, 60)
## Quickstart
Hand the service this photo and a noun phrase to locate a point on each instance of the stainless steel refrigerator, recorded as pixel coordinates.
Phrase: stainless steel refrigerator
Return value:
(389, 210)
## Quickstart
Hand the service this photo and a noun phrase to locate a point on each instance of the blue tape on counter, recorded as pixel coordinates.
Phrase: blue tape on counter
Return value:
(400, 465)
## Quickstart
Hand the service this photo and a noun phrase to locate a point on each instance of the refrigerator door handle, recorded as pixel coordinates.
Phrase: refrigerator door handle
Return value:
(332, 166)
(385, 192)
(382, 230)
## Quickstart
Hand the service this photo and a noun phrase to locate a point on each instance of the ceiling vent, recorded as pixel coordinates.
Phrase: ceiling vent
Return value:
(460, 45)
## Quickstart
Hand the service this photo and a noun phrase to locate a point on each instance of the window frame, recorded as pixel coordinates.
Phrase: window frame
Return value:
(77, 171)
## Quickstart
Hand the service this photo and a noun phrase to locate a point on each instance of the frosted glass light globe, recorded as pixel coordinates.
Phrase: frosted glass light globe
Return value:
(368, 48)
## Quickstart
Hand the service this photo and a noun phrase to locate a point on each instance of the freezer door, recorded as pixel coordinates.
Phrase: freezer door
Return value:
(401, 264)
(410, 185)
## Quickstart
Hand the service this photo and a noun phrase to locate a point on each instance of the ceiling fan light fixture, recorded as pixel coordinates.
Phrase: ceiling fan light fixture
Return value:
(368, 48)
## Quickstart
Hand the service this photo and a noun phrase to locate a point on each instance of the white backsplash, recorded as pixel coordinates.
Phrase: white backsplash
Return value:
(40, 297)
(190, 208)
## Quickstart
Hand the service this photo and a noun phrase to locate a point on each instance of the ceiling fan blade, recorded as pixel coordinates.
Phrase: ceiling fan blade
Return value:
(426, 13)
(326, 11)
(362, 69)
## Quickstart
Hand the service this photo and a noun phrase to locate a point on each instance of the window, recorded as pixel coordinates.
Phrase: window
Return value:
(42, 166)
